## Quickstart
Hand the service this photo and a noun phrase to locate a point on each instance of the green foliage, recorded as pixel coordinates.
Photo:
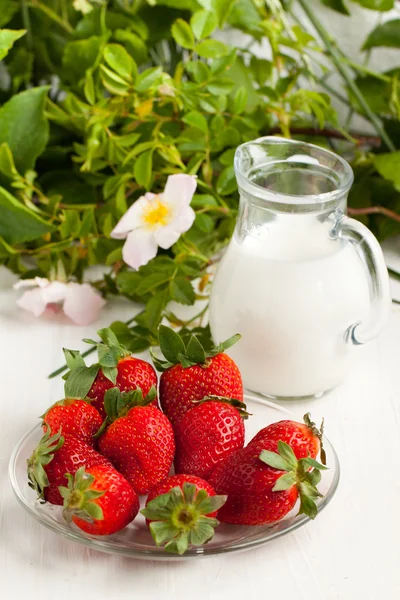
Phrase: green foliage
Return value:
(101, 102)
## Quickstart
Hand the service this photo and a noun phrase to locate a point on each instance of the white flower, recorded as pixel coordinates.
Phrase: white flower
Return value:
(80, 301)
(156, 220)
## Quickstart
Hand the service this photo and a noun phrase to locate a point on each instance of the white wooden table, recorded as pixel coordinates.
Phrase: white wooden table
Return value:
(351, 551)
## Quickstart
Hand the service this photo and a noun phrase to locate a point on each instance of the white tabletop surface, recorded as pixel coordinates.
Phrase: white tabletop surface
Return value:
(350, 552)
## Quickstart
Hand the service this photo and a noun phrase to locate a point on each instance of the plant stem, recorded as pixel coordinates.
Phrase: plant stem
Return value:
(84, 354)
(27, 24)
(394, 274)
(336, 58)
(395, 301)
(374, 210)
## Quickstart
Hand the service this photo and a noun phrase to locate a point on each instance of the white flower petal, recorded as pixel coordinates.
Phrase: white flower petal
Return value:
(139, 248)
(82, 303)
(169, 234)
(183, 219)
(54, 291)
(33, 301)
(36, 282)
(179, 189)
(166, 236)
(132, 218)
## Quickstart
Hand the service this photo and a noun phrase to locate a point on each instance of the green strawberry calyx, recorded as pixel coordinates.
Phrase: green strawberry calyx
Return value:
(79, 499)
(42, 455)
(238, 404)
(179, 518)
(118, 404)
(297, 474)
(319, 433)
(80, 378)
(175, 351)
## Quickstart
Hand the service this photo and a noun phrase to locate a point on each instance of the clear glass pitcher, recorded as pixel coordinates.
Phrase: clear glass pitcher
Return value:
(304, 284)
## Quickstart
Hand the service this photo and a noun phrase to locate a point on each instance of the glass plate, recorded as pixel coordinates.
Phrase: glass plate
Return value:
(135, 540)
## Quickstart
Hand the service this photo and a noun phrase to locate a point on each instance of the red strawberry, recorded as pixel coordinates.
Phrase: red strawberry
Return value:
(115, 367)
(304, 438)
(180, 511)
(99, 500)
(73, 417)
(133, 373)
(190, 373)
(263, 485)
(55, 456)
(141, 444)
(207, 434)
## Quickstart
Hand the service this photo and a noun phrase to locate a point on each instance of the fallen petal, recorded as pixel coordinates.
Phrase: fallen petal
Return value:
(82, 303)
(33, 301)
(54, 292)
(36, 282)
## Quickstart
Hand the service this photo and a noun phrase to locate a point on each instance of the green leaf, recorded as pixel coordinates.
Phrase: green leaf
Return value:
(285, 482)
(143, 168)
(73, 358)
(18, 223)
(226, 182)
(272, 459)
(152, 314)
(182, 291)
(148, 78)
(239, 100)
(71, 224)
(111, 373)
(381, 5)
(24, 128)
(171, 344)
(220, 85)
(81, 55)
(337, 5)
(7, 166)
(211, 49)
(133, 43)
(203, 23)
(113, 82)
(182, 34)
(195, 351)
(287, 453)
(7, 39)
(80, 380)
(388, 165)
(195, 119)
(88, 88)
(387, 35)
(8, 8)
(118, 59)
(205, 223)
(198, 70)
(308, 506)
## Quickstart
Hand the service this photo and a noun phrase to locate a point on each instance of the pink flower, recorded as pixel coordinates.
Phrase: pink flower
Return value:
(156, 220)
(80, 301)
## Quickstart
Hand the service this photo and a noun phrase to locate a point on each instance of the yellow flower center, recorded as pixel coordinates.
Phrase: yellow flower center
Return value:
(156, 213)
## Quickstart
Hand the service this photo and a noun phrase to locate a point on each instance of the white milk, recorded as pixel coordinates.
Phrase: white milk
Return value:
(291, 292)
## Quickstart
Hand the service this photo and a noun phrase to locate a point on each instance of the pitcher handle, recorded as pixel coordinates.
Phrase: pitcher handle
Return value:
(370, 252)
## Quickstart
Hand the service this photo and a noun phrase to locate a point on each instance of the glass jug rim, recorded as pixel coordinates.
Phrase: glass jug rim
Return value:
(343, 171)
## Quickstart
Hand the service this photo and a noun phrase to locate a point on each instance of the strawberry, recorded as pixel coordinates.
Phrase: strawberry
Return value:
(140, 444)
(263, 482)
(190, 373)
(207, 434)
(74, 417)
(303, 438)
(99, 500)
(54, 456)
(115, 367)
(180, 512)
